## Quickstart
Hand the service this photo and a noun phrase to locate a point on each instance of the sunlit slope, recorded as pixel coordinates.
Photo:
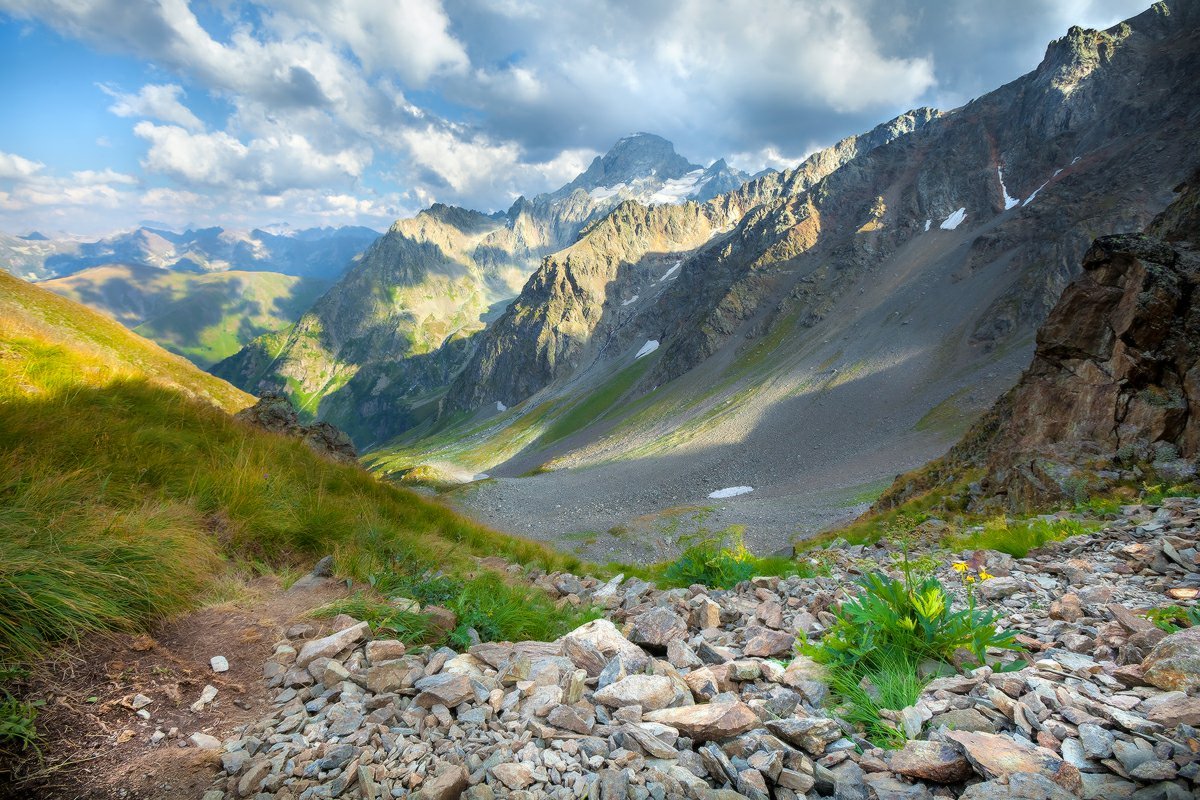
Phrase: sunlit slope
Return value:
(126, 487)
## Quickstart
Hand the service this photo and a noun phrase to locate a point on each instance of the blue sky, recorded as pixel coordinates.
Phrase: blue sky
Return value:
(318, 112)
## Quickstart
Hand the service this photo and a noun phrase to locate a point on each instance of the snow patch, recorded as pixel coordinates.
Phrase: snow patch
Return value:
(649, 347)
(630, 301)
(1029, 199)
(1009, 200)
(500, 406)
(482, 476)
(731, 491)
(667, 275)
(1075, 160)
(1057, 172)
(954, 220)
(606, 192)
(928, 222)
(677, 190)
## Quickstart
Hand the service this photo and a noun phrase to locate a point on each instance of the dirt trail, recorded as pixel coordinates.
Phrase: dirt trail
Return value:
(93, 743)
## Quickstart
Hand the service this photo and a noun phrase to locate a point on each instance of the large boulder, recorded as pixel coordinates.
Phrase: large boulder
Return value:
(1174, 663)
(994, 756)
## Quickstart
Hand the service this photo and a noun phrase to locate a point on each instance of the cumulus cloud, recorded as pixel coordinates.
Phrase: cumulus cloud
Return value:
(475, 101)
(270, 164)
(155, 101)
(26, 185)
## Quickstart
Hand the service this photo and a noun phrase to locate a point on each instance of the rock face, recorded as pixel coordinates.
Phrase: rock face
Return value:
(394, 331)
(1113, 392)
(274, 413)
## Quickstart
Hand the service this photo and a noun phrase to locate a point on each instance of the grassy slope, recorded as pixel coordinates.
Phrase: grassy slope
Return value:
(125, 488)
(205, 317)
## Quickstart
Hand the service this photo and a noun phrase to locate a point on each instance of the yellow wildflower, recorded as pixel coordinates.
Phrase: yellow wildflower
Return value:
(984, 575)
(960, 566)
(968, 578)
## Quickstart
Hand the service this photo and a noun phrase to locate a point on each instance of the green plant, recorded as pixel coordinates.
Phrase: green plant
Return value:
(383, 617)
(17, 718)
(1173, 618)
(880, 637)
(891, 683)
(1018, 537)
(495, 609)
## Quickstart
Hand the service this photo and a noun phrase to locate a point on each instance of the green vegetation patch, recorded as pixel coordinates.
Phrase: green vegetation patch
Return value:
(596, 403)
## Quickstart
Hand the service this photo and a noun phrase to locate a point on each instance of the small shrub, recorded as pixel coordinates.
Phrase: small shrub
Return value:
(1018, 537)
(17, 718)
(722, 561)
(383, 618)
(887, 631)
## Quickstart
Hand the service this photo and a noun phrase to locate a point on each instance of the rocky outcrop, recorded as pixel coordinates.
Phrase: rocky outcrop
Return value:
(1113, 393)
(274, 413)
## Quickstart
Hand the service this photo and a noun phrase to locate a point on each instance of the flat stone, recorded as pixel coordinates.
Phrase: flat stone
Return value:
(219, 664)
(811, 734)
(389, 676)
(204, 741)
(995, 756)
(1097, 742)
(711, 721)
(963, 719)
(513, 775)
(447, 689)
(573, 719)
(1181, 711)
(381, 650)
(331, 645)
(448, 785)
(651, 692)
(770, 643)
(930, 761)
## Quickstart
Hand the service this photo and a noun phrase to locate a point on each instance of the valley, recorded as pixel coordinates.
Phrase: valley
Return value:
(871, 475)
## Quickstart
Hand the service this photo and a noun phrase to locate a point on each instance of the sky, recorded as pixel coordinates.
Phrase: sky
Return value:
(336, 112)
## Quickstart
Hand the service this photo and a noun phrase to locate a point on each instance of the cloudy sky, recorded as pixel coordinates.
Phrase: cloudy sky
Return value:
(328, 112)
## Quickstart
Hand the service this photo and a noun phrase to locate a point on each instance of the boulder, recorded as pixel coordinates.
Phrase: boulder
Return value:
(651, 692)
(1174, 663)
(931, 761)
(657, 628)
(447, 689)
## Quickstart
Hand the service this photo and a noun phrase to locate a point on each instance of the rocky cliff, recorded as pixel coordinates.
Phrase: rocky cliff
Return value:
(1113, 391)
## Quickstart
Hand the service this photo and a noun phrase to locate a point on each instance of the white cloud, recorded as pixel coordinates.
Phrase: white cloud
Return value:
(410, 37)
(269, 164)
(14, 167)
(155, 101)
(31, 187)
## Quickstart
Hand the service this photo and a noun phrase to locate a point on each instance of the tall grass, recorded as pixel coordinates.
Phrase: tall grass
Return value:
(120, 497)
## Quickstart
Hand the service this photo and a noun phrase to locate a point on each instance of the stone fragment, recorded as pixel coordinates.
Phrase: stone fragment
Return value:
(447, 689)
(219, 664)
(657, 628)
(1174, 663)
(446, 785)
(651, 692)
(711, 721)
(770, 643)
(811, 734)
(513, 775)
(331, 645)
(204, 741)
(930, 761)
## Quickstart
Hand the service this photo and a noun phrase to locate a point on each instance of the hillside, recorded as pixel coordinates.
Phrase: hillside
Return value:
(203, 317)
(814, 333)
(127, 486)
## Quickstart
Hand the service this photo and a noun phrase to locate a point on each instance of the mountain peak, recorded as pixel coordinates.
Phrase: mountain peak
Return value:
(634, 158)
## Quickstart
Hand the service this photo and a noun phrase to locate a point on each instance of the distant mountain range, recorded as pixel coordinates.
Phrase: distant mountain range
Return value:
(203, 294)
(322, 253)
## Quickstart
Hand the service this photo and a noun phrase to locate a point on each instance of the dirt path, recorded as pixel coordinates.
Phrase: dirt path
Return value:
(93, 743)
